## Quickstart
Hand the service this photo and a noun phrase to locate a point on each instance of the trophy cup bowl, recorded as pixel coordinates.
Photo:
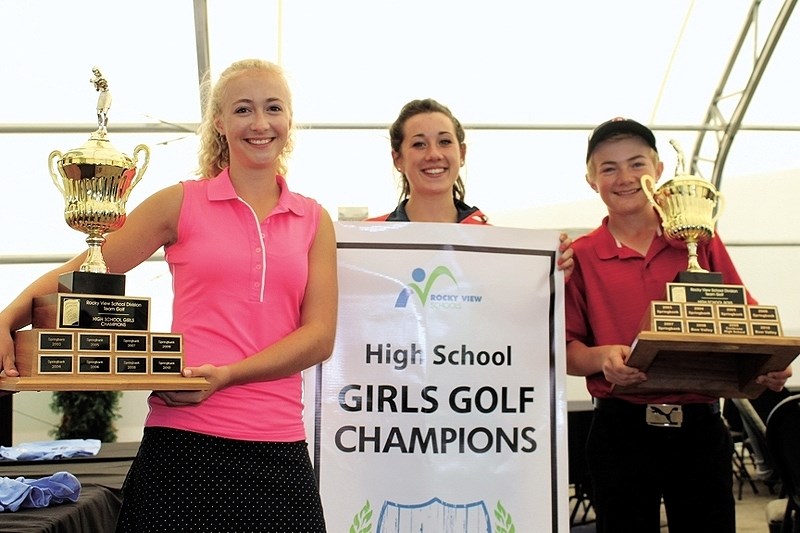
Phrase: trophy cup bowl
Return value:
(96, 181)
(689, 208)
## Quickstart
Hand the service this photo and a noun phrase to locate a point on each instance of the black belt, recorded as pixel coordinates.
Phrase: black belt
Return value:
(658, 414)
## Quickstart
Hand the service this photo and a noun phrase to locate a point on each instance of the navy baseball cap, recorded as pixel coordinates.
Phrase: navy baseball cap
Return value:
(619, 125)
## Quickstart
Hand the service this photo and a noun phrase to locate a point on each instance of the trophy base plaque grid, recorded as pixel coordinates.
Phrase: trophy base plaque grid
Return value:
(92, 342)
(93, 360)
(706, 339)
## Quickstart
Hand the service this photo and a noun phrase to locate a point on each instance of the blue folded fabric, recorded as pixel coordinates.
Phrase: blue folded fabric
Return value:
(51, 449)
(23, 493)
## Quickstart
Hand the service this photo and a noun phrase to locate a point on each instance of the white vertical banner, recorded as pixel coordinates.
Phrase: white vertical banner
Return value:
(443, 407)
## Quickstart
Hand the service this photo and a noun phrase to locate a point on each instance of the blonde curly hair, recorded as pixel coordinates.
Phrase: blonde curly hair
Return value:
(214, 154)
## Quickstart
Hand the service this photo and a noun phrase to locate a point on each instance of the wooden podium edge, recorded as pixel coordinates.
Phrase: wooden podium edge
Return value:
(652, 351)
(102, 383)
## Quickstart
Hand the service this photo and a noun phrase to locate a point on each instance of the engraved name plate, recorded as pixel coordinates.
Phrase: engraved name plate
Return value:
(55, 364)
(164, 364)
(94, 364)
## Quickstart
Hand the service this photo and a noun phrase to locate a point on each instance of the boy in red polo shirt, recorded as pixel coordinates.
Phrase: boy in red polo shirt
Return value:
(620, 268)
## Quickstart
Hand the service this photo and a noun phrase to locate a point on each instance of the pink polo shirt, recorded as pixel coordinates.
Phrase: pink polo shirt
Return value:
(239, 284)
(612, 286)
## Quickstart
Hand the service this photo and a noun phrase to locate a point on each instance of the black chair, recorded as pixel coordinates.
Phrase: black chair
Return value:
(743, 460)
(783, 441)
(755, 430)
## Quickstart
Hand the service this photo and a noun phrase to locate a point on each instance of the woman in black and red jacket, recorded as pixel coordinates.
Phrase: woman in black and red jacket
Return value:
(428, 151)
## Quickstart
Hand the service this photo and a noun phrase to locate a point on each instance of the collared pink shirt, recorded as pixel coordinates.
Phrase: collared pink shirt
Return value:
(238, 286)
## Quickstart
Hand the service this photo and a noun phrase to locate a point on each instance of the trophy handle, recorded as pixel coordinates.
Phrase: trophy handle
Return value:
(55, 154)
(648, 185)
(140, 172)
(718, 208)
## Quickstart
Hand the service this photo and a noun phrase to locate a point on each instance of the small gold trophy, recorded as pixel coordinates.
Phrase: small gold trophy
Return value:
(689, 208)
(703, 337)
(96, 181)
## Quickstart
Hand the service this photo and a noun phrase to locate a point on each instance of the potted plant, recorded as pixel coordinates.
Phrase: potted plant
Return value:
(86, 415)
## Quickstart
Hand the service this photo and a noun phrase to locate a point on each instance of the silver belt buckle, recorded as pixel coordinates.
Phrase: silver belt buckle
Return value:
(664, 415)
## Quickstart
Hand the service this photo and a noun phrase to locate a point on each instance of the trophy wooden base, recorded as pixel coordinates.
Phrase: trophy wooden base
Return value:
(716, 365)
(102, 383)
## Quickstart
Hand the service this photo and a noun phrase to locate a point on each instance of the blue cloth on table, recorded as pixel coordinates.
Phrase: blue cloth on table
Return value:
(51, 449)
(34, 493)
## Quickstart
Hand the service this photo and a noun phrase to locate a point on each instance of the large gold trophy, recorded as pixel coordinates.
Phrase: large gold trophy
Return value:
(89, 335)
(96, 181)
(703, 337)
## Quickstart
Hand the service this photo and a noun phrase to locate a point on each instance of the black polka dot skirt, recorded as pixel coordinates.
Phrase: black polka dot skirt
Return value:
(182, 481)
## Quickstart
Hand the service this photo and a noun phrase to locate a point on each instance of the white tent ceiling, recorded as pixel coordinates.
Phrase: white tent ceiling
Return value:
(528, 79)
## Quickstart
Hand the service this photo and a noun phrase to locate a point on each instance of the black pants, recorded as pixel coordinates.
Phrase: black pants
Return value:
(633, 465)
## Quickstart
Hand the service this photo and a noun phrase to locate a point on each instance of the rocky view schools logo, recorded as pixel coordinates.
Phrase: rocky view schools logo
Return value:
(419, 275)
(423, 285)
